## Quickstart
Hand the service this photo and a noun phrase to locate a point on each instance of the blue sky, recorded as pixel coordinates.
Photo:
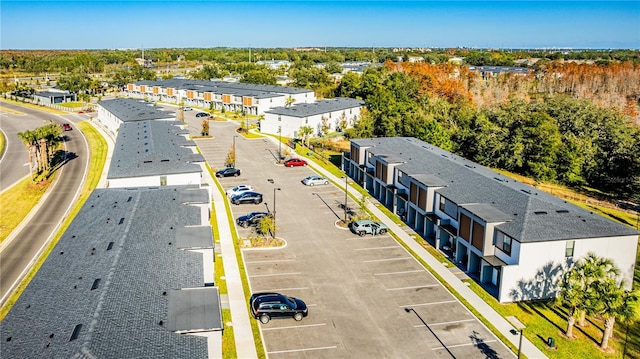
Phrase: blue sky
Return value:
(156, 24)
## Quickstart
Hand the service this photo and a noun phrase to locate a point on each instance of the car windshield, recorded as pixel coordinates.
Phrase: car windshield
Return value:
(290, 302)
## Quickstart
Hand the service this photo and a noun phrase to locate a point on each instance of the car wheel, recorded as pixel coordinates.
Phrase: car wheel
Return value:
(311, 184)
(297, 316)
(382, 231)
(236, 174)
(361, 233)
(264, 318)
(304, 165)
(257, 201)
(326, 182)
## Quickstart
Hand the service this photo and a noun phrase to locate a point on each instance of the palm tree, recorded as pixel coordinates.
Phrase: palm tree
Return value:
(571, 294)
(615, 303)
(591, 269)
(305, 131)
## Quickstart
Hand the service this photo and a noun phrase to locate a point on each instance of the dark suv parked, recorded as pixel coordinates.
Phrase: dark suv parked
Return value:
(265, 306)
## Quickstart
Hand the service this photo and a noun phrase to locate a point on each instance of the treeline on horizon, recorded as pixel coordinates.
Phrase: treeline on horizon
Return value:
(573, 123)
(96, 61)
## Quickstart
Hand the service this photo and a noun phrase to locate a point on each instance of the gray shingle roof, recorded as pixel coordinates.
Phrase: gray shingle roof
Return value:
(467, 183)
(317, 108)
(127, 110)
(223, 87)
(151, 148)
(110, 273)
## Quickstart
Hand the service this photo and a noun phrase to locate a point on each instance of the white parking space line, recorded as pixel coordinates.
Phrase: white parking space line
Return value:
(425, 304)
(283, 289)
(367, 249)
(295, 326)
(414, 287)
(387, 260)
(366, 237)
(301, 350)
(402, 272)
(274, 274)
(465, 344)
(271, 261)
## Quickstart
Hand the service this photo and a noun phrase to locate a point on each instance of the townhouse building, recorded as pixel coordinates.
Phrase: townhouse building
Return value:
(333, 115)
(251, 99)
(515, 240)
(115, 112)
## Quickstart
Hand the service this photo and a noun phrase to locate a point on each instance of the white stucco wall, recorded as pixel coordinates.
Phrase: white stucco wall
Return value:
(542, 263)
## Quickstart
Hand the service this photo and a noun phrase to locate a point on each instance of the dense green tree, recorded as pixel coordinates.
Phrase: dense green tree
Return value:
(259, 76)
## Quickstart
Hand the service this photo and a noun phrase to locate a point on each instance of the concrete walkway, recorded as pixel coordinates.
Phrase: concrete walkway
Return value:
(245, 345)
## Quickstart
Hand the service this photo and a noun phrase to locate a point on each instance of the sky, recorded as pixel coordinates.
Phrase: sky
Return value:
(136, 24)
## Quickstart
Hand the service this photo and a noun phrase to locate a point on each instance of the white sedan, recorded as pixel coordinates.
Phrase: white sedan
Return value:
(239, 189)
(314, 180)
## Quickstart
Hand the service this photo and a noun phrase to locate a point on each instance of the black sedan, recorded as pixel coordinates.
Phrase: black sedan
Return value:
(250, 219)
(247, 197)
(228, 172)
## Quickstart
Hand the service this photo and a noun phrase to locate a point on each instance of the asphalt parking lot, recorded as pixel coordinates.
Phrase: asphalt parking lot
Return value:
(356, 288)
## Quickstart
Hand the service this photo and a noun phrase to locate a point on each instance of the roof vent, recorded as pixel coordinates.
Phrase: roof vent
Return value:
(76, 332)
(540, 212)
(562, 211)
(96, 284)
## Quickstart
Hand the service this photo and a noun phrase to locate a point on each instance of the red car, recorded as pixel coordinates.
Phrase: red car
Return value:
(294, 162)
(66, 127)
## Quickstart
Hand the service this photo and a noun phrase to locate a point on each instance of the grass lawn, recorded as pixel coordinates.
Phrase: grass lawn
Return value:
(35, 107)
(17, 203)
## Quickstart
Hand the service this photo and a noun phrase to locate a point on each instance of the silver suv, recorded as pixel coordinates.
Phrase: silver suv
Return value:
(366, 226)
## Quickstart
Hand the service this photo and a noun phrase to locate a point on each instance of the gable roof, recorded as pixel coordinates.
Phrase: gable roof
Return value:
(492, 195)
(151, 148)
(103, 290)
(317, 108)
(127, 110)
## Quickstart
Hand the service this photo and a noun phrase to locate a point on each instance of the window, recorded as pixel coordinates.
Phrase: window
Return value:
(442, 203)
(503, 242)
(568, 252)
(506, 247)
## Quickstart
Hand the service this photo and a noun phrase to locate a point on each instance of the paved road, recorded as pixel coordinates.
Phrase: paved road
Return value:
(20, 249)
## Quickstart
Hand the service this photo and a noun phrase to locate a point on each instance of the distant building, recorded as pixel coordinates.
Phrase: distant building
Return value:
(53, 97)
(275, 64)
(491, 71)
(336, 114)
(144, 62)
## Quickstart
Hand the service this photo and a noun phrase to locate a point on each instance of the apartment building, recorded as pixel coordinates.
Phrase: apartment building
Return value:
(515, 240)
(331, 115)
(220, 95)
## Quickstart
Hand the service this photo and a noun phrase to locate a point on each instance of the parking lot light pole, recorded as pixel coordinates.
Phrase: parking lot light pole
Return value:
(519, 328)
(274, 210)
(234, 151)
(408, 310)
(346, 187)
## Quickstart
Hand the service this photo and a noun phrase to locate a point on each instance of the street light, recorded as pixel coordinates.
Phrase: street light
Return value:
(346, 187)
(279, 138)
(519, 328)
(274, 210)
(427, 325)
(234, 151)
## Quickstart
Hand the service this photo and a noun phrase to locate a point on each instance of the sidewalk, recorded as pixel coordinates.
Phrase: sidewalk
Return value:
(500, 323)
(245, 345)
